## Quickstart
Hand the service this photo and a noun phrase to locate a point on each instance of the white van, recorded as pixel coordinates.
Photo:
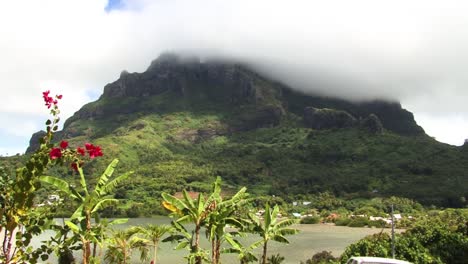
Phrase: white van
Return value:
(374, 260)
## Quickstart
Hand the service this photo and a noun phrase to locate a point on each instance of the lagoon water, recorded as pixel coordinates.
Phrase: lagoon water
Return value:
(311, 239)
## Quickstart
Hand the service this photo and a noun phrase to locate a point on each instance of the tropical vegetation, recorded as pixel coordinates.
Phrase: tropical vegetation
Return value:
(354, 166)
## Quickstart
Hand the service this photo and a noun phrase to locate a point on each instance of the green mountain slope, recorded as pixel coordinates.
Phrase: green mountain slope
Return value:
(183, 122)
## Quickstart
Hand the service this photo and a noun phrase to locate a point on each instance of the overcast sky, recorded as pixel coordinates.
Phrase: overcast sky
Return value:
(415, 52)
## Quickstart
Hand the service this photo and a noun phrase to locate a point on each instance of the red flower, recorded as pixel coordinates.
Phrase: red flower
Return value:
(64, 144)
(55, 153)
(89, 146)
(96, 152)
(80, 151)
(93, 151)
(49, 100)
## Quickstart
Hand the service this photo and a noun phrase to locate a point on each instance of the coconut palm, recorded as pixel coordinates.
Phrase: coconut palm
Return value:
(90, 202)
(271, 229)
(122, 244)
(154, 233)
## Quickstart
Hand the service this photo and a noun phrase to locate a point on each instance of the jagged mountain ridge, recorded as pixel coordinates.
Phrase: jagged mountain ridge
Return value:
(183, 122)
(233, 85)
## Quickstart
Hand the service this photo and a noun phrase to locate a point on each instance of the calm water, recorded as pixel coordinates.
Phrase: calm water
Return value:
(310, 240)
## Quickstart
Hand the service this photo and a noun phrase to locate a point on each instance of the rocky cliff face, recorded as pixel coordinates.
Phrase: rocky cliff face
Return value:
(328, 118)
(186, 77)
(34, 143)
(249, 101)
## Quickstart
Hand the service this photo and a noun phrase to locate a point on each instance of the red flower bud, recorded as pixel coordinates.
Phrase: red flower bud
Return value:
(55, 153)
(64, 144)
(80, 151)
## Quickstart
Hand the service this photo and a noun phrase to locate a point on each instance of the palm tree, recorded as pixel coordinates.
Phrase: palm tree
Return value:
(121, 245)
(90, 202)
(154, 233)
(271, 229)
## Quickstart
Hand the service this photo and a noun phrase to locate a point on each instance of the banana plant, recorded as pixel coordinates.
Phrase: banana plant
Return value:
(90, 202)
(196, 211)
(223, 216)
(188, 210)
(214, 214)
(269, 228)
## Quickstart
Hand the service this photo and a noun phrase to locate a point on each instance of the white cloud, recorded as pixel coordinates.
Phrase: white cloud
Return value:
(415, 52)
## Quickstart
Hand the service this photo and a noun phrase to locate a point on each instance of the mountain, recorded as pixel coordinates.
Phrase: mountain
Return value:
(183, 122)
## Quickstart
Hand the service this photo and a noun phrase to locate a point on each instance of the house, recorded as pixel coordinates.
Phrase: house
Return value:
(378, 218)
(332, 217)
(397, 217)
(298, 215)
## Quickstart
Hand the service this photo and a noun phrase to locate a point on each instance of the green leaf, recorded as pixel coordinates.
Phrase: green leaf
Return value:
(110, 186)
(182, 245)
(78, 214)
(62, 186)
(280, 238)
(104, 203)
(118, 221)
(73, 227)
(107, 174)
(83, 180)
(174, 201)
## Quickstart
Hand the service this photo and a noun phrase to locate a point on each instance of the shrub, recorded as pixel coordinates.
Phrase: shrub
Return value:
(358, 222)
(321, 257)
(310, 220)
(342, 221)
(378, 223)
